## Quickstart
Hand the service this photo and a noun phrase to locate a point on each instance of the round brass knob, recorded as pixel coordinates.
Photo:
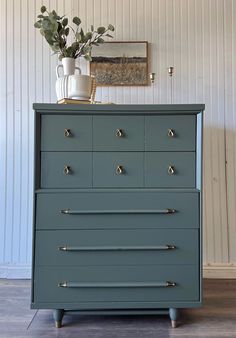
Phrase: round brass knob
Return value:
(66, 170)
(119, 170)
(171, 170)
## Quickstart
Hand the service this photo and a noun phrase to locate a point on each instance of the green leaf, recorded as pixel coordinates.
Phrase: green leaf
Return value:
(88, 57)
(82, 35)
(38, 24)
(67, 30)
(65, 22)
(101, 30)
(77, 20)
(40, 16)
(46, 24)
(92, 28)
(111, 28)
(100, 40)
(88, 36)
(110, 36)
(78, 36)
(75, 46)
(43, 9)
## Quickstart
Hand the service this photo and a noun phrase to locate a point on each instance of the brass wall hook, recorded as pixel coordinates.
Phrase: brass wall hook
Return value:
(171, 71)
(152, 77)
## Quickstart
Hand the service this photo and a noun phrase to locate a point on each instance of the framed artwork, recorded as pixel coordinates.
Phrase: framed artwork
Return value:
(120, 63)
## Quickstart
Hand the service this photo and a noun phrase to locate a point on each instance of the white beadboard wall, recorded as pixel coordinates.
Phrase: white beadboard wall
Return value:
(197, 37)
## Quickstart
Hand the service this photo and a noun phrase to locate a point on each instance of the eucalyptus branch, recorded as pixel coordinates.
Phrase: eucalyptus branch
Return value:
(55, 30)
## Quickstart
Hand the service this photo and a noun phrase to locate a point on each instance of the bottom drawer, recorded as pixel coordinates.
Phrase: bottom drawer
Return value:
(112, 284)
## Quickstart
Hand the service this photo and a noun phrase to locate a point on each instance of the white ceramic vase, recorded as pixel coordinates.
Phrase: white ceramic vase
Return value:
(80, 87)
(68, 65)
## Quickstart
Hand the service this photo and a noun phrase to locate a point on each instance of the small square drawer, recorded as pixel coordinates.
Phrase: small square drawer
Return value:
(118, 133)
(66, 133)
(66, 169)
(120, 169)
(170, 133)
(170, 169)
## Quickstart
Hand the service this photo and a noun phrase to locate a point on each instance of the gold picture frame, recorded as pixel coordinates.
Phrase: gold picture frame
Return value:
(120, 63)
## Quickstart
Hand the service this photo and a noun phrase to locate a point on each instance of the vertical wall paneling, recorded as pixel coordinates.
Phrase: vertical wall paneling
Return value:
(230, 120)
(3, 134)
(197, 37)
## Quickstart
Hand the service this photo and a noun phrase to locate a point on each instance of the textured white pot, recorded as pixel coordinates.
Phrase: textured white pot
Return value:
(68, 65)
(80, 87)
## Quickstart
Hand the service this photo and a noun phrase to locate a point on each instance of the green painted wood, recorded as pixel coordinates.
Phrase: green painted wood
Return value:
(157, 129)
(118, 109)
(117, 247)
(53, 130)
(53, 169)
(116, 221)
(106, 131)
(157, 167)
(105, 166)
(137, 306)
(185, 277)
(48, 207)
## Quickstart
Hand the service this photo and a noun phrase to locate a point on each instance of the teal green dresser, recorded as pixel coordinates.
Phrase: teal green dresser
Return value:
(117, 209)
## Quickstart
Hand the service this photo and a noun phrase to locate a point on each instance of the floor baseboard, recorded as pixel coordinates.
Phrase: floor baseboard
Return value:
(15, 271)
(224, 271)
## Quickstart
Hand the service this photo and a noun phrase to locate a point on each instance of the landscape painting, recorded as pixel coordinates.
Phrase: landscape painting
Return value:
(120, 64)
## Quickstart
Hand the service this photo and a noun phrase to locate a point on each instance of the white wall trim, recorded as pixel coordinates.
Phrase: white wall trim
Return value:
(226, 271)
(15, 271)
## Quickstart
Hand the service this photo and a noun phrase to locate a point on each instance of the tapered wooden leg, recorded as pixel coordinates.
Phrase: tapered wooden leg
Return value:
(58, 315)
(174, 313)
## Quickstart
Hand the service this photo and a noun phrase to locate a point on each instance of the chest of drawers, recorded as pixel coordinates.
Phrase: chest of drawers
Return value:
(117, 215)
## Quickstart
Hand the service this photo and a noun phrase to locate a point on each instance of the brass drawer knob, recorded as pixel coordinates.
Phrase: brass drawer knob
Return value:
(66, 170)
(171, 170)
(171, 133)
(119, 133)
(120, 170)
(67, 132)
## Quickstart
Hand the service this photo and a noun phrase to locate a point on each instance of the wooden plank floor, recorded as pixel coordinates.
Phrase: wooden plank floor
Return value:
(217, 318)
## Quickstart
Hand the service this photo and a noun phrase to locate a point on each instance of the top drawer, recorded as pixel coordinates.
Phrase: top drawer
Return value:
(170, 133)
(118, 133)
(66, 132)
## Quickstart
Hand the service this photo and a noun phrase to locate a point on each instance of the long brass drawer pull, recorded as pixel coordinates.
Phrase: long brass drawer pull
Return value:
(116, 248)
(85, 212)
(116, 284)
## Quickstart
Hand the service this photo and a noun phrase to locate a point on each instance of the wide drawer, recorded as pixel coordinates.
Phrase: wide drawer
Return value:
(118, 133)
(148, 283)
(119, 169)
(170, 169)
(66, 169)
(66, 132)
(116, 247)
(117, 209)
(170, 133)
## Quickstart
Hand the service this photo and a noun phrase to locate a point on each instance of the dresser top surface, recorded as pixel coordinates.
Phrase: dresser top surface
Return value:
(54, 108)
